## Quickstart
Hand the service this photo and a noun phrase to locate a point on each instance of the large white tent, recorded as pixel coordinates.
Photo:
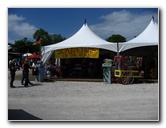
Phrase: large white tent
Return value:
(86, 38)
(83, 38)
(149, 37)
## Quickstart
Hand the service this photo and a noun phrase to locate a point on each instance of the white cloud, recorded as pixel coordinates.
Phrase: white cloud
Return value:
(17, 26)
(15, 18)
(125, 23)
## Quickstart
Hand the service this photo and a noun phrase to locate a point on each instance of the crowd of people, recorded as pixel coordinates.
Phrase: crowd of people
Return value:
(52, 71)
(13, 67)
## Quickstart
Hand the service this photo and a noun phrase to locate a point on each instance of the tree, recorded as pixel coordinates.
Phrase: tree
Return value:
(24, 46)
(116, 38)
(20, 46)
(56, 38)
(46, 38)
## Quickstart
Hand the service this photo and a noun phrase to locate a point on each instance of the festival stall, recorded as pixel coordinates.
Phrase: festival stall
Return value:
(146, 46)
(86, 44)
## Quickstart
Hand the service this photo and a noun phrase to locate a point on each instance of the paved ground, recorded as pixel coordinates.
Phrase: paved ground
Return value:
(82, 101)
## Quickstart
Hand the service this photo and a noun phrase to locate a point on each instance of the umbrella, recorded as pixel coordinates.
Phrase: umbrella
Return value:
(34, 56)
(27, 54)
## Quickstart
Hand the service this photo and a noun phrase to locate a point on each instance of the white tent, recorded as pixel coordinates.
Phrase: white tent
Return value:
(83, 38)
(149, 37)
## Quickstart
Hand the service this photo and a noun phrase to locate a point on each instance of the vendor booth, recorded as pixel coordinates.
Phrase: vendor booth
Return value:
(146, 46)
(80, 54)
(83, 48)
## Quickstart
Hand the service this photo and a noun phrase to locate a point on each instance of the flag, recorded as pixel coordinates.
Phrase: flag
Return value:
(37, 41)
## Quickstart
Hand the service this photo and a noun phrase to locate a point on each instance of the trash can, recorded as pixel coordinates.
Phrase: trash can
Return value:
(107, 71)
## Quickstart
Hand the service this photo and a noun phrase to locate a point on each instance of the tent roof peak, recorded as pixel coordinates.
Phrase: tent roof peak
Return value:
(85, 23)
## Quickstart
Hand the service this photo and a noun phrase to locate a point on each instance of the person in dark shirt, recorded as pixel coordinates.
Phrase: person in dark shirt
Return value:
(23, 76)
(13, 68)
(26, 73)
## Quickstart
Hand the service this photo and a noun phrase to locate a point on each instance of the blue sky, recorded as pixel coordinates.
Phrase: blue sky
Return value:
(128, 22)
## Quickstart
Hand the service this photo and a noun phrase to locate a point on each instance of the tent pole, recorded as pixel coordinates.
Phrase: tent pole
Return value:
(117, 48)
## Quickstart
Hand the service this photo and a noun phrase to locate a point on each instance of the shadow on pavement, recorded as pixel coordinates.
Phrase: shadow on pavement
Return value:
(36, 84)
(19, 114)
(29, 85)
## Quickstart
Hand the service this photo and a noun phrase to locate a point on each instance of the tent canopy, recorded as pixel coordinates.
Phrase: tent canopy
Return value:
(86, 38)
(83, 38)
(149, 37)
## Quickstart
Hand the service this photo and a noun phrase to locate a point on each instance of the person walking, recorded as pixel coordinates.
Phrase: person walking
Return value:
(23, 74)
(26, 72)
(13, 68)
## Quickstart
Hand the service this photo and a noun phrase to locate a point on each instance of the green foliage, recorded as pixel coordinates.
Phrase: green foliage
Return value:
(116, 38)
(21, 45)
(24, 45)
(56, 38)
(46, 38)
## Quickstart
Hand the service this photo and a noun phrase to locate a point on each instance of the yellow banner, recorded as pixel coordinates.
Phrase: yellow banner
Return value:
(77, 53)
